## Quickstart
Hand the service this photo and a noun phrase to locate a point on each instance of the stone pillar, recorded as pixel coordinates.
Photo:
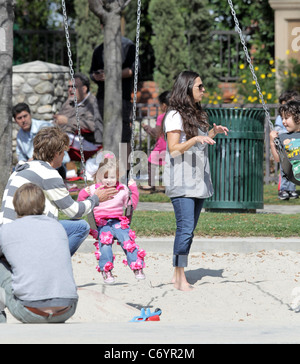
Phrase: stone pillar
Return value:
(43, 87)
(287, 28)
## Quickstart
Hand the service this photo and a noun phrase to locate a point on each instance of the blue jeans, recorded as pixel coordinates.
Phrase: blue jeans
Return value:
(18, 310)
(121, 235)
(77, 231)
(285, 184)
(187, 211)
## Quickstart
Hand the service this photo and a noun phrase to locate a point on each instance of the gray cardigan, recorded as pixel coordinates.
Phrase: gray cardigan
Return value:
(188, 174)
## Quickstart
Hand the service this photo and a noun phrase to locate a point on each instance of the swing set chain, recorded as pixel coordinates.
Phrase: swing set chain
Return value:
(74, 88)
(136, 72)
(239, 31)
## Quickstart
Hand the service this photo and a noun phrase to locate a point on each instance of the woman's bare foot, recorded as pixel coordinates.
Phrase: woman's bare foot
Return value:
(179, 280)
(183, 287)
(174, 277)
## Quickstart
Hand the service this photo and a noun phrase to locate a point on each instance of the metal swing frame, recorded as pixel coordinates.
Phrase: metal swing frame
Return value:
(284, 161)
(129, 209)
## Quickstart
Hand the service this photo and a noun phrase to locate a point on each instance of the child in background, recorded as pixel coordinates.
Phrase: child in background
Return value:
(290, 113)
(286, 188)
(111, 222)
(157, 156)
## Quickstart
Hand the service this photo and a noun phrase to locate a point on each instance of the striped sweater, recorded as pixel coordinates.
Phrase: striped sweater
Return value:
(57, 196)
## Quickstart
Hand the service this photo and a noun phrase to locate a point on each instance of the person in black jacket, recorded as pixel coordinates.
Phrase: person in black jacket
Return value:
(97, 75)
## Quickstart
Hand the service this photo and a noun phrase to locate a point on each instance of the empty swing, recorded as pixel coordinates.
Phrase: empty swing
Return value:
(284, 160)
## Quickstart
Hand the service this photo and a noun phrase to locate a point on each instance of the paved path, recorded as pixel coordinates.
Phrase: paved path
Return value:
(149, 333)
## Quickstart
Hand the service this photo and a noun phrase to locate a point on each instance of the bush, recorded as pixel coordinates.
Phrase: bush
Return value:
(289, 74)
(168, 41)
(266, 77)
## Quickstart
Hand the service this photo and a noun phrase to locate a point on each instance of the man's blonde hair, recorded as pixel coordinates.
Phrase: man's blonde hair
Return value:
(48, 142)
(29, 199)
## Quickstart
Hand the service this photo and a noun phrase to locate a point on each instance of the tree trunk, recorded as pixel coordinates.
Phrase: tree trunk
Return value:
(113, 83)
(109, 11)
(6, 55)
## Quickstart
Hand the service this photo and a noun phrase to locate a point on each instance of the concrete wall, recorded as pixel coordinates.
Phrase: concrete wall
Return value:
(41, 85)
(287, 28)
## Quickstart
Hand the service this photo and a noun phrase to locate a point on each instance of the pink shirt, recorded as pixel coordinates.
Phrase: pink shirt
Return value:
(157, 156)
(113, 208)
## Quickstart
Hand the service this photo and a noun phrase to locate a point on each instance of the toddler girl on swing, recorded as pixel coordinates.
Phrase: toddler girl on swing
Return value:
(111, 222)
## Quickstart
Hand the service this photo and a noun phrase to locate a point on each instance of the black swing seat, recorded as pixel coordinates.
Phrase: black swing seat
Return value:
(285, 163)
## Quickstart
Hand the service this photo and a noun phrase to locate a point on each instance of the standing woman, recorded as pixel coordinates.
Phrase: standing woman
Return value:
(187, 172)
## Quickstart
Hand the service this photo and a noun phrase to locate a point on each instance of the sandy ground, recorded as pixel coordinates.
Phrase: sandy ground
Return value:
(228, 287)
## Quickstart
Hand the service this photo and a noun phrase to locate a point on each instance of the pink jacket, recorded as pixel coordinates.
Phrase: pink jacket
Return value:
(157, 156)
(113, 208)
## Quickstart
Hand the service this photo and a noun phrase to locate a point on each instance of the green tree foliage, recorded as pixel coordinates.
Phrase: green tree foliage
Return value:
(174, 34)
(256, 18)
(32, 14)
(202, 52)
(32, 19)
(29, 15)
(289, 74)
(146, 52)
(168, 41)
(89, 34)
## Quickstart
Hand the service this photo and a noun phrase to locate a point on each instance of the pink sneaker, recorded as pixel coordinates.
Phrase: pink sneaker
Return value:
(139, 274)
(108, 277)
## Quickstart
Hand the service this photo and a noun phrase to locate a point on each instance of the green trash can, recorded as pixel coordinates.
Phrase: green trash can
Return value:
(236, 160)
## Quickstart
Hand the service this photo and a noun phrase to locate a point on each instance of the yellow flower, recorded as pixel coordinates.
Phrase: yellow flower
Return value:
(242, 66)
(234, 100)
(273, 70)
(269, 96)
(256, 68)
(269, 75)
(263, 76)
(219, 98)
(253, 82)
(244, 81)
(285, 73)
(294, 75)
(287, 52)
(271, 61)
(250, 98)
(254, 91)
(264, 92)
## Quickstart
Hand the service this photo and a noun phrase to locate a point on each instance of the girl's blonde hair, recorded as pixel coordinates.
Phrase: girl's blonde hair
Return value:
(107, 165)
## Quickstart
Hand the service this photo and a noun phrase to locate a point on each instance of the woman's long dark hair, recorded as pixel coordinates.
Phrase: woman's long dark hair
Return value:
(182, 100)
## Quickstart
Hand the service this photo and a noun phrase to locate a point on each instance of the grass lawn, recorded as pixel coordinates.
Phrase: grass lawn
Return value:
(155, 223)
(270, 197)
